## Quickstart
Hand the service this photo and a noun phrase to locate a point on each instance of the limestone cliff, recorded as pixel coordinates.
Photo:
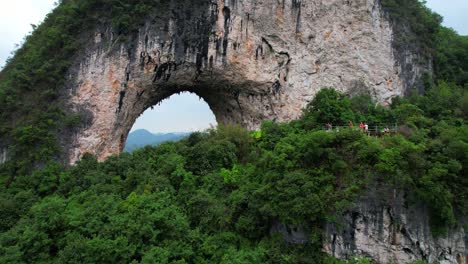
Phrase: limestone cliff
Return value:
(390, 231)
(250, 60)
(255, 60)
(384, 228)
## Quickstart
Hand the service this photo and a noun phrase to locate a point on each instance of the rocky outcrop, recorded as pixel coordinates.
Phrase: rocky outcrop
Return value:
(291, 234)
(388, 231)
(249, 60)
(253, 60)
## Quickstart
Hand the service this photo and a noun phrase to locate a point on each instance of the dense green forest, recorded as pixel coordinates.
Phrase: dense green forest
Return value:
(212, 197)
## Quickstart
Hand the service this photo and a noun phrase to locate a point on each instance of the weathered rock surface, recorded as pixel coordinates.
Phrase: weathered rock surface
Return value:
(3, 155)
(250, 61)
(390, 232)
(253, 60)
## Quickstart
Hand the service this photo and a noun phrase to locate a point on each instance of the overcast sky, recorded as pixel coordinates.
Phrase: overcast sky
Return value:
(184, 112)
(16, 17)
(179, 113)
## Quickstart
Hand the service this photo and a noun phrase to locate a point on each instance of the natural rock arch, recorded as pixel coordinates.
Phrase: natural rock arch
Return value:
(249, 60)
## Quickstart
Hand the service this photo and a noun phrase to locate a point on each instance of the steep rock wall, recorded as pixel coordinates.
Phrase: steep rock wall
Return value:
(249, 60)
(389, 231)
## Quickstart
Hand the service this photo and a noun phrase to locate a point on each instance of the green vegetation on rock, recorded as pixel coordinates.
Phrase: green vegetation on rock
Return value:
(214, 197)
(32, 85)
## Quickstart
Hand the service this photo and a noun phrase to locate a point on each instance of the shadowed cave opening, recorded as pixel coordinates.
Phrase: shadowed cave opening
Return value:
(170, 120)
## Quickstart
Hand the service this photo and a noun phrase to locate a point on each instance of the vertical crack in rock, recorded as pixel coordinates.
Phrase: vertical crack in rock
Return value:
(227, 20)
(297, 5)
(247, 25)
(333, 244)
(270, 47)
(121, 98)
(259, 51)
(276, 87)
(146, 42)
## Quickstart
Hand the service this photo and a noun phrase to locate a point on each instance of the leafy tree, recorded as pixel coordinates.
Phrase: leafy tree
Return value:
(331, 106)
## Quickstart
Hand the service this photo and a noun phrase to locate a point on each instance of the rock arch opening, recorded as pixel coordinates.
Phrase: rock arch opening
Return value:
(248, 66)
(172, 119)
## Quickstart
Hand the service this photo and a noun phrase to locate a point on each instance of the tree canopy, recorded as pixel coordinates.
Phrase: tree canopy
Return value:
(214, 196)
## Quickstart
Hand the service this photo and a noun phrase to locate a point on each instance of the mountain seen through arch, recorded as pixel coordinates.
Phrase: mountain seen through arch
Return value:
(171, 120)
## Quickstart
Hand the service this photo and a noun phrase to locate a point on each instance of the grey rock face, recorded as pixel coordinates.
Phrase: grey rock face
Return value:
(3, 155)
(387, 231)
(249, 60)
(291, 234)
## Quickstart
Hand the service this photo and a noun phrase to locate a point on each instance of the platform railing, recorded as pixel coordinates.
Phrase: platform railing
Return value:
(372, 129)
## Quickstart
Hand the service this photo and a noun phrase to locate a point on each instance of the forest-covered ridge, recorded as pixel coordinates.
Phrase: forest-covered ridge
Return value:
(213, 197)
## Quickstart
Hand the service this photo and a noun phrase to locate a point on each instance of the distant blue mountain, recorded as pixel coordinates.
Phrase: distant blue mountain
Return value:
(142, 137)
